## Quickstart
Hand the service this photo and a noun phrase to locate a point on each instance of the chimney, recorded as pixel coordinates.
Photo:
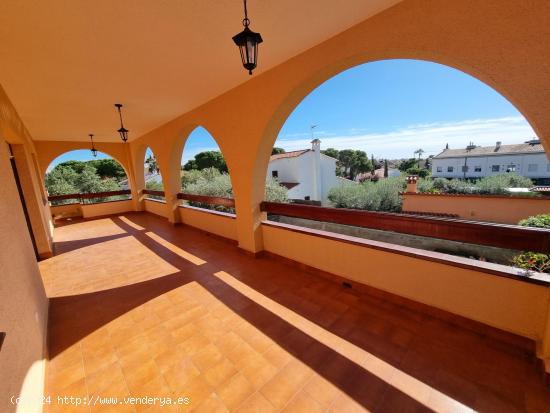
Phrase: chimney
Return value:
(316, 145)
(497, 146)
(316, 173)
(412, 181)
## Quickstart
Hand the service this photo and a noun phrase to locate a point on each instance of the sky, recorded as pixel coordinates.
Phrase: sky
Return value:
(389, 109)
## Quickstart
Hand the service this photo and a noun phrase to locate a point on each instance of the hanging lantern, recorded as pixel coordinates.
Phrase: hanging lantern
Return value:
(123, 132)
(248, 42)
(94, 150)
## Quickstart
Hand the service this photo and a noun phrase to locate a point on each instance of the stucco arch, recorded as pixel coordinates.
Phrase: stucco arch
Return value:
(48, 151)
(300, 92)
(179, 146)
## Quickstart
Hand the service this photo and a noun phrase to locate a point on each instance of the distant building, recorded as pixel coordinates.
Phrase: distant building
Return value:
(527, 159)
(308, 174)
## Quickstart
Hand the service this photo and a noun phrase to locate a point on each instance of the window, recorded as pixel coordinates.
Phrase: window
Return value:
(440, 169)
(465, 168)
(495, 168)
(307, 198)
(532, 167)
(511, 168)
(275, 174)
(477, 169)
(450, 169)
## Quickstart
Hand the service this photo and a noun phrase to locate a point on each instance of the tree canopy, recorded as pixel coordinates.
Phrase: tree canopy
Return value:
(276, 150)
(207, 159)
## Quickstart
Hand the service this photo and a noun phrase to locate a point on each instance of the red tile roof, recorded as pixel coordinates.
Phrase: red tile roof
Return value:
(292, 154)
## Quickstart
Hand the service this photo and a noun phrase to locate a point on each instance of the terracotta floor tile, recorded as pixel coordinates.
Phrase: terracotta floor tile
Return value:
(180, 375)
(212, 404)
(234, 391)
(303, 403)
(130, 316)
(321, 390)
(256, 403)
(220, 373)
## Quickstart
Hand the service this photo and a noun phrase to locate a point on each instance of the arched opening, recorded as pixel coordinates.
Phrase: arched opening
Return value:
(353, 140)
(204, 173)
(77, 176)
(152, 176)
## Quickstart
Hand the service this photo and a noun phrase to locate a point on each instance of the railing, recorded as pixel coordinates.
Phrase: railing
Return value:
(474, 232)
(152, 192)
(210, 200)
(81, 197)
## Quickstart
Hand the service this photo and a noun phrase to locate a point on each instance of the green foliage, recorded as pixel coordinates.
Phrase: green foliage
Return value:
(427, 186)
(353, 162)
(532, 261)
(331, 152)
(536, 221)
(152, 165)
(105, 168)
(275, 192)
(276, 150)
(491, 185)
(383, 195)
(421, 172)
(211, 182)
(499, 184)
(406, 164)
(76, 177)
(207, 159)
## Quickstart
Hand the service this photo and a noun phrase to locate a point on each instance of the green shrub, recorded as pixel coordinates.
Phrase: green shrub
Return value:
(212, 182)
(532, 261)
(421, 172)
(499, 184)
(383, 195)
(537, 221)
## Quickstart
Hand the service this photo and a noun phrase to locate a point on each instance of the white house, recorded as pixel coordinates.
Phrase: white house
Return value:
(526, 159)
(308, 174)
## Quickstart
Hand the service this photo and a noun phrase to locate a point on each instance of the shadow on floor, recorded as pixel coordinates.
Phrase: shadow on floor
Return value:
(470, 368)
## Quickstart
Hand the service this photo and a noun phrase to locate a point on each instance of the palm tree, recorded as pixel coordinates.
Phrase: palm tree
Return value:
(152, 164)
(419, 152)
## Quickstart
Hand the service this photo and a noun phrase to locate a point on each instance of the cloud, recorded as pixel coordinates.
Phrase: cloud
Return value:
(432, 137)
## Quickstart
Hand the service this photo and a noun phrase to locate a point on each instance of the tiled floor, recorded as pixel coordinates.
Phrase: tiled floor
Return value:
(142, 308)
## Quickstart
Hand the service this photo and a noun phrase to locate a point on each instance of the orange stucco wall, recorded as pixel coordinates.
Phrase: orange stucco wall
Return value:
(221, 224)
(500, 302)
(506, 210)
(155, 207)
(23, 301)
(106, 208)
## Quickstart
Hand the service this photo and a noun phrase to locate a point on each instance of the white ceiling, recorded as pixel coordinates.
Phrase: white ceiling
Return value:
(64, 63)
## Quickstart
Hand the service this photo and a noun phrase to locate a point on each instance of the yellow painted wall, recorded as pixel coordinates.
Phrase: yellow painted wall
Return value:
(506, 210)
(66, 210)
(155, 207)
(222, 224)
(504, 303)
(106, 208)
(23, 301)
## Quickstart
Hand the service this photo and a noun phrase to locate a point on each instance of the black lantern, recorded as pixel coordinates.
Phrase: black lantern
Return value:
(248, 42)
(122, 131)
(94, 150)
